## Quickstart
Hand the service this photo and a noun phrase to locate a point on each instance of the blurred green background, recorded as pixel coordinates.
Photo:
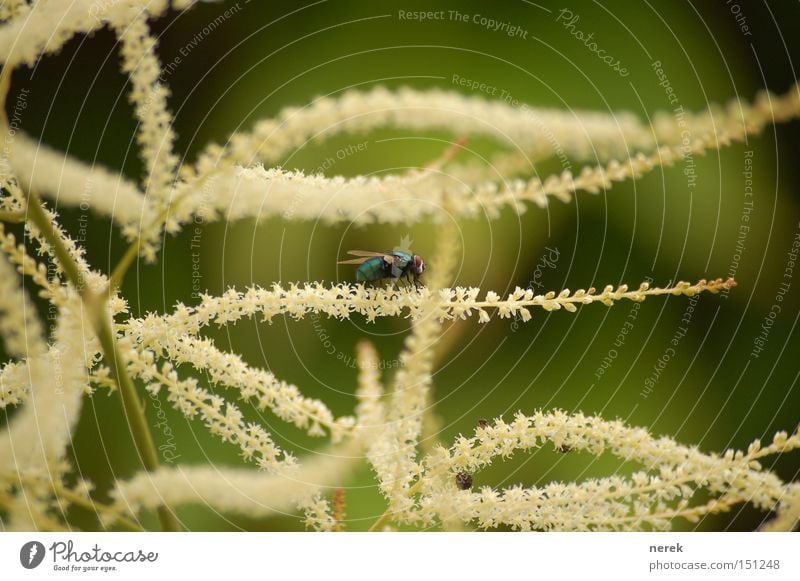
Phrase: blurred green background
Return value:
(269, 55)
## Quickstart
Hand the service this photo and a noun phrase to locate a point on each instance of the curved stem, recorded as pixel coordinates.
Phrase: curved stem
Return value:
(96, 305)
(90, 505)
(382, 520)
(133, 408)
(38, 216)
(118, 274)
(387, 515)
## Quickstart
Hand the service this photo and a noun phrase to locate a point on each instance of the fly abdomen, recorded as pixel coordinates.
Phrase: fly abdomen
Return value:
(373, 269)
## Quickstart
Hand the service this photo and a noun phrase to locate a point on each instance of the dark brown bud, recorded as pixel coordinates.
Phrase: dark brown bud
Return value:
(464, 481)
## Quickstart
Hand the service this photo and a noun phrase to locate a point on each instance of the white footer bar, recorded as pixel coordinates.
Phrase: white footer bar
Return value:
(400, 556)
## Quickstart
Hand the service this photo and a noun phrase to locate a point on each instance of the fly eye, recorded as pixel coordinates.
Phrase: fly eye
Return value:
(419, 264)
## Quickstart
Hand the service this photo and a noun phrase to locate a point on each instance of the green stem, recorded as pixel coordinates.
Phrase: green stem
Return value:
(77, 500)
(90, 505)
(95, 304)
(118, 275)
(382, 520)
(387, 515)
(134, 410)
(39, 217)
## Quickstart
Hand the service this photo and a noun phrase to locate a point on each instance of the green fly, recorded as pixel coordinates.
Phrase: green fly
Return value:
(376, 266)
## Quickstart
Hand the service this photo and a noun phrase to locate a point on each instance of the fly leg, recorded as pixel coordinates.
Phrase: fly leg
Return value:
(375, 283)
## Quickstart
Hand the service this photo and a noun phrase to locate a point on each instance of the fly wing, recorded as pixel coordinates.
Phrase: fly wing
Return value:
(365, 255)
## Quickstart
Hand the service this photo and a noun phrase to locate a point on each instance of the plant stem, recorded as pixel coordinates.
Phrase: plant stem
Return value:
(118, 275)
(90, 505)
(387, 515)
(39, 217)
(95, 304)
(382, 520)
(133, 408)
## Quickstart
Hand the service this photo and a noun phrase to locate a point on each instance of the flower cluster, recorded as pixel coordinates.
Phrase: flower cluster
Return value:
(246, 190)
(241, 491)
(393, 450)
(74, 183)
(19, 326)
(343, 300)
(582, 134)
(35, 443)
(44, 27)
(257, 385)
(149, 97)
(666, 486)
